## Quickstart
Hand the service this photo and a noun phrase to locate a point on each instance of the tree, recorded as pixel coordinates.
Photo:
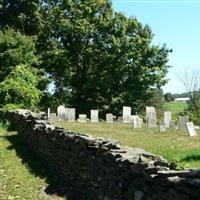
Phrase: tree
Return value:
(19, 88)
(168, 97)
(24, 16)
(98, 58)
(15, 49)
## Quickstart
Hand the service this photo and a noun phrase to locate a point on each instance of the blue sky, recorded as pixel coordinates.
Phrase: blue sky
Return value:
(175, 23)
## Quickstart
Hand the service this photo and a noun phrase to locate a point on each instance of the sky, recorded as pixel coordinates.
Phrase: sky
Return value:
(175, 23)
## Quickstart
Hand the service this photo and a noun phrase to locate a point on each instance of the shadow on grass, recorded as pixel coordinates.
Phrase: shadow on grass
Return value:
(190, 158)
(56, 184)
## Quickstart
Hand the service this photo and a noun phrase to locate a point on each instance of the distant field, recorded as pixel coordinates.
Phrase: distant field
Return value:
(172, 145)
(175, 108)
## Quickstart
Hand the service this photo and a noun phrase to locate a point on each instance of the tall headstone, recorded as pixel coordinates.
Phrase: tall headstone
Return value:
(71, 114)
(182, 120)
(109, 118)
(61, 112)
(48, 113)
(82, 118)
(94, 116)
(126, 114)
(151, 118)
(191, 129)
(136, 121)
(167, 118)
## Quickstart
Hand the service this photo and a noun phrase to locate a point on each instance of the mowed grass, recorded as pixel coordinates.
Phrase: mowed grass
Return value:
(175, 108)
(19, 179)
(173, 145)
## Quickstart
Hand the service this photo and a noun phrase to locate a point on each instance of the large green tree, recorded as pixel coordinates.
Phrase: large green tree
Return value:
(98, 58)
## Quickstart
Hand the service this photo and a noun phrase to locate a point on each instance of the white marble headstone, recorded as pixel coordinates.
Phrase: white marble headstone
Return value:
(71, 114)
(94, 116)
(182, 122)
(136, 121)
(191, 129)
(151, 118)
(109, 118)
(126, 114)
(167, 118)
(61, 112)
(82, 118)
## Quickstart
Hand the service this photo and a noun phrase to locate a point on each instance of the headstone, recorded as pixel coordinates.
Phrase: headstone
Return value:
(136, 121)
(167, 118)
(53, 117)
(191, 129)
(61, 112)
(151, 118)
(109, 118)
(162, 127)
(119, 119)
(48, 113)
(126, 114)
(71, 115)
(182, 120)
(94, 116)
(82, 118)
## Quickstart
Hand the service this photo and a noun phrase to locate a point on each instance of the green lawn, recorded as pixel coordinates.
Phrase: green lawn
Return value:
(22, 175)
(172, 145)
(175, 108)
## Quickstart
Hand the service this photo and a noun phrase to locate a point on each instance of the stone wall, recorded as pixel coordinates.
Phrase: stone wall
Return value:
(99, 169)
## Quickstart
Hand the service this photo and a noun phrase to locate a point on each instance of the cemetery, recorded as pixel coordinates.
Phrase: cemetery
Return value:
(99, 100)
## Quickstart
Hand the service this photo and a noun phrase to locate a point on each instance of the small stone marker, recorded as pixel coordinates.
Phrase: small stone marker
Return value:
(52, 117)
(94, 116)
(151, 118)
(109, 118)
(162, 127)
(191, 129)
(82, 118)
(136, 121)
(61, 112)
(126, 114)
(182, 120)
(119, 119)
(71, 114)
(167, 118)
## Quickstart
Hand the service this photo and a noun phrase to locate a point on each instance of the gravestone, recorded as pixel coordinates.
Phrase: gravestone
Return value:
(136, 121)
(119, 119)
(71, 114)
(162, 127)
(151, 118)
(167, 118)
(82, 118)
(126, 114)
(182, 120)
(109, 118)
(48, 113)
(191, 129)
(61, 112)
(94, 116)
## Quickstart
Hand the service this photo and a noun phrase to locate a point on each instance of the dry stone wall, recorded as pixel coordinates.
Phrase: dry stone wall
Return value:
(99, 169)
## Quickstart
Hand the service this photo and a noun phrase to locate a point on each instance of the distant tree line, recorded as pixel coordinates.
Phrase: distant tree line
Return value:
(92, 56)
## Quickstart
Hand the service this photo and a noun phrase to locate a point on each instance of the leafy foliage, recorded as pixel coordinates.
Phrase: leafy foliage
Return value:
(19, 89)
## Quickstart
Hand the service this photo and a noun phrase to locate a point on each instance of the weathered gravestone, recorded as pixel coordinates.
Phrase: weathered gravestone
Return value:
(71, 114)
(151, 118)
(126, 114)
(53, 117)
(182, 120)
(94, 116)
(167, 118)
(136, 121)
(82, 118)
(48, 113)
(61, 112)
(109, 118)
(162, 127)
(191, 129)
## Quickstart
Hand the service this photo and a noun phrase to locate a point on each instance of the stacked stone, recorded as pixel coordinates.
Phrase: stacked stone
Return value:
(95, 168)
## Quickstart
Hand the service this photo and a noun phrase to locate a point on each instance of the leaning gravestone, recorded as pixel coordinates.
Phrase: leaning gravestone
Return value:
(167, 118)
(151, 118)
(109, 118)
(82, 118)
(182, 120)
(71, 115)
(61, 112)
(94, 116)
(191, 129)
(136, 121)
(126, 114)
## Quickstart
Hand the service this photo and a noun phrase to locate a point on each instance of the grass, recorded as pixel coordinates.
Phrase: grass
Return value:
(175, 108)
(172, 145)
(22, 175)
